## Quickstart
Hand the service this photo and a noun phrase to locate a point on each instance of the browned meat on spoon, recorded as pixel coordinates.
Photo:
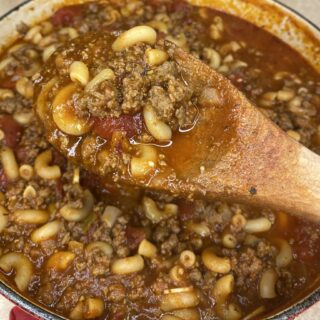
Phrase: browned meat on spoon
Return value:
(145, 112)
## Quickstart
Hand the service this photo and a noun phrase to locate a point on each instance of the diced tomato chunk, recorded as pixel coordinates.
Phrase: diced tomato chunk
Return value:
(8, 83)
(66, 16)
(134, 236)
(95, 183)
(12, 131)
(186, 209)
(131, 125)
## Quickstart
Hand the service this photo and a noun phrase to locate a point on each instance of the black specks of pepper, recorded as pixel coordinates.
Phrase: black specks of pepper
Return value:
(253, 191)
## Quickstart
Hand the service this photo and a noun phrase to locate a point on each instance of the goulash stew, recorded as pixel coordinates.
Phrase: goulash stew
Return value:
(101, 77)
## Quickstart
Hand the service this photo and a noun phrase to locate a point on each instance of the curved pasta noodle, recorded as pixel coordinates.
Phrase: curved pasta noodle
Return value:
(6, 93)
(42, 100)
(110, 215)
(5, 62)
(158, 25)
(158, 129)
(230, 312)
(133, 36)
(147, 249)
(200, 228)
(257, 225)
(71, 32)
(104, 75)
(70, 213)
(285, 255)
(145, 163)
(177, 273)
(64, 116)
(221, 290)
(89, 308)
(49, 51)
(79, 72)
(267, 285)
(156, 57)
(156, 215)
(60, 260)
(179, 300)
(3, 218)
(238, 221)
(229, 241)
(30, 216)
(22, 266)
(104, 247)
(186, 314)
(26, 171)
(33, 35)
(187, 258)
(93, 308)
(46, 232)
(179, 40)
(9, 163)
(42, 167)
(215, 263)
(127, 265)
(25, 87)
(214, 57)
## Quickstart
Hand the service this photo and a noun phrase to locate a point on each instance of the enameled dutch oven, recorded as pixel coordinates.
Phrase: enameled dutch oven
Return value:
(283, 22)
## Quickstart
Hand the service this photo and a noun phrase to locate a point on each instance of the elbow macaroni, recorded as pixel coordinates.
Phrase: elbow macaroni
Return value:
(89, 308)
(156, 57)
(22, 266)
(104, 75)
(60, 261)
(133, 36)
(145, 163)
(70, 213)
(9, 163)
(46, 232)
(127, 265)
(153, 213)
(42, 167)
(104, 247)
(30, 216)
(215, 263)
(64, 116)
(158, 129)
(179, 300)
(79, 73)
(257, 225)
(267, 285)
(285, 255)
(147, 249)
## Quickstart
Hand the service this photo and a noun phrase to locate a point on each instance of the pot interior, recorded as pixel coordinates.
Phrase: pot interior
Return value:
(263, 13)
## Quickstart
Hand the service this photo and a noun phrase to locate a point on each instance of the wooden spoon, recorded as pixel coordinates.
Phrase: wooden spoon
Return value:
(237, 153)
(233, 153)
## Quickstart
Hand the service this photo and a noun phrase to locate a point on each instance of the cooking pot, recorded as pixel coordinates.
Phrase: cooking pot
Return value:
(281, 21)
